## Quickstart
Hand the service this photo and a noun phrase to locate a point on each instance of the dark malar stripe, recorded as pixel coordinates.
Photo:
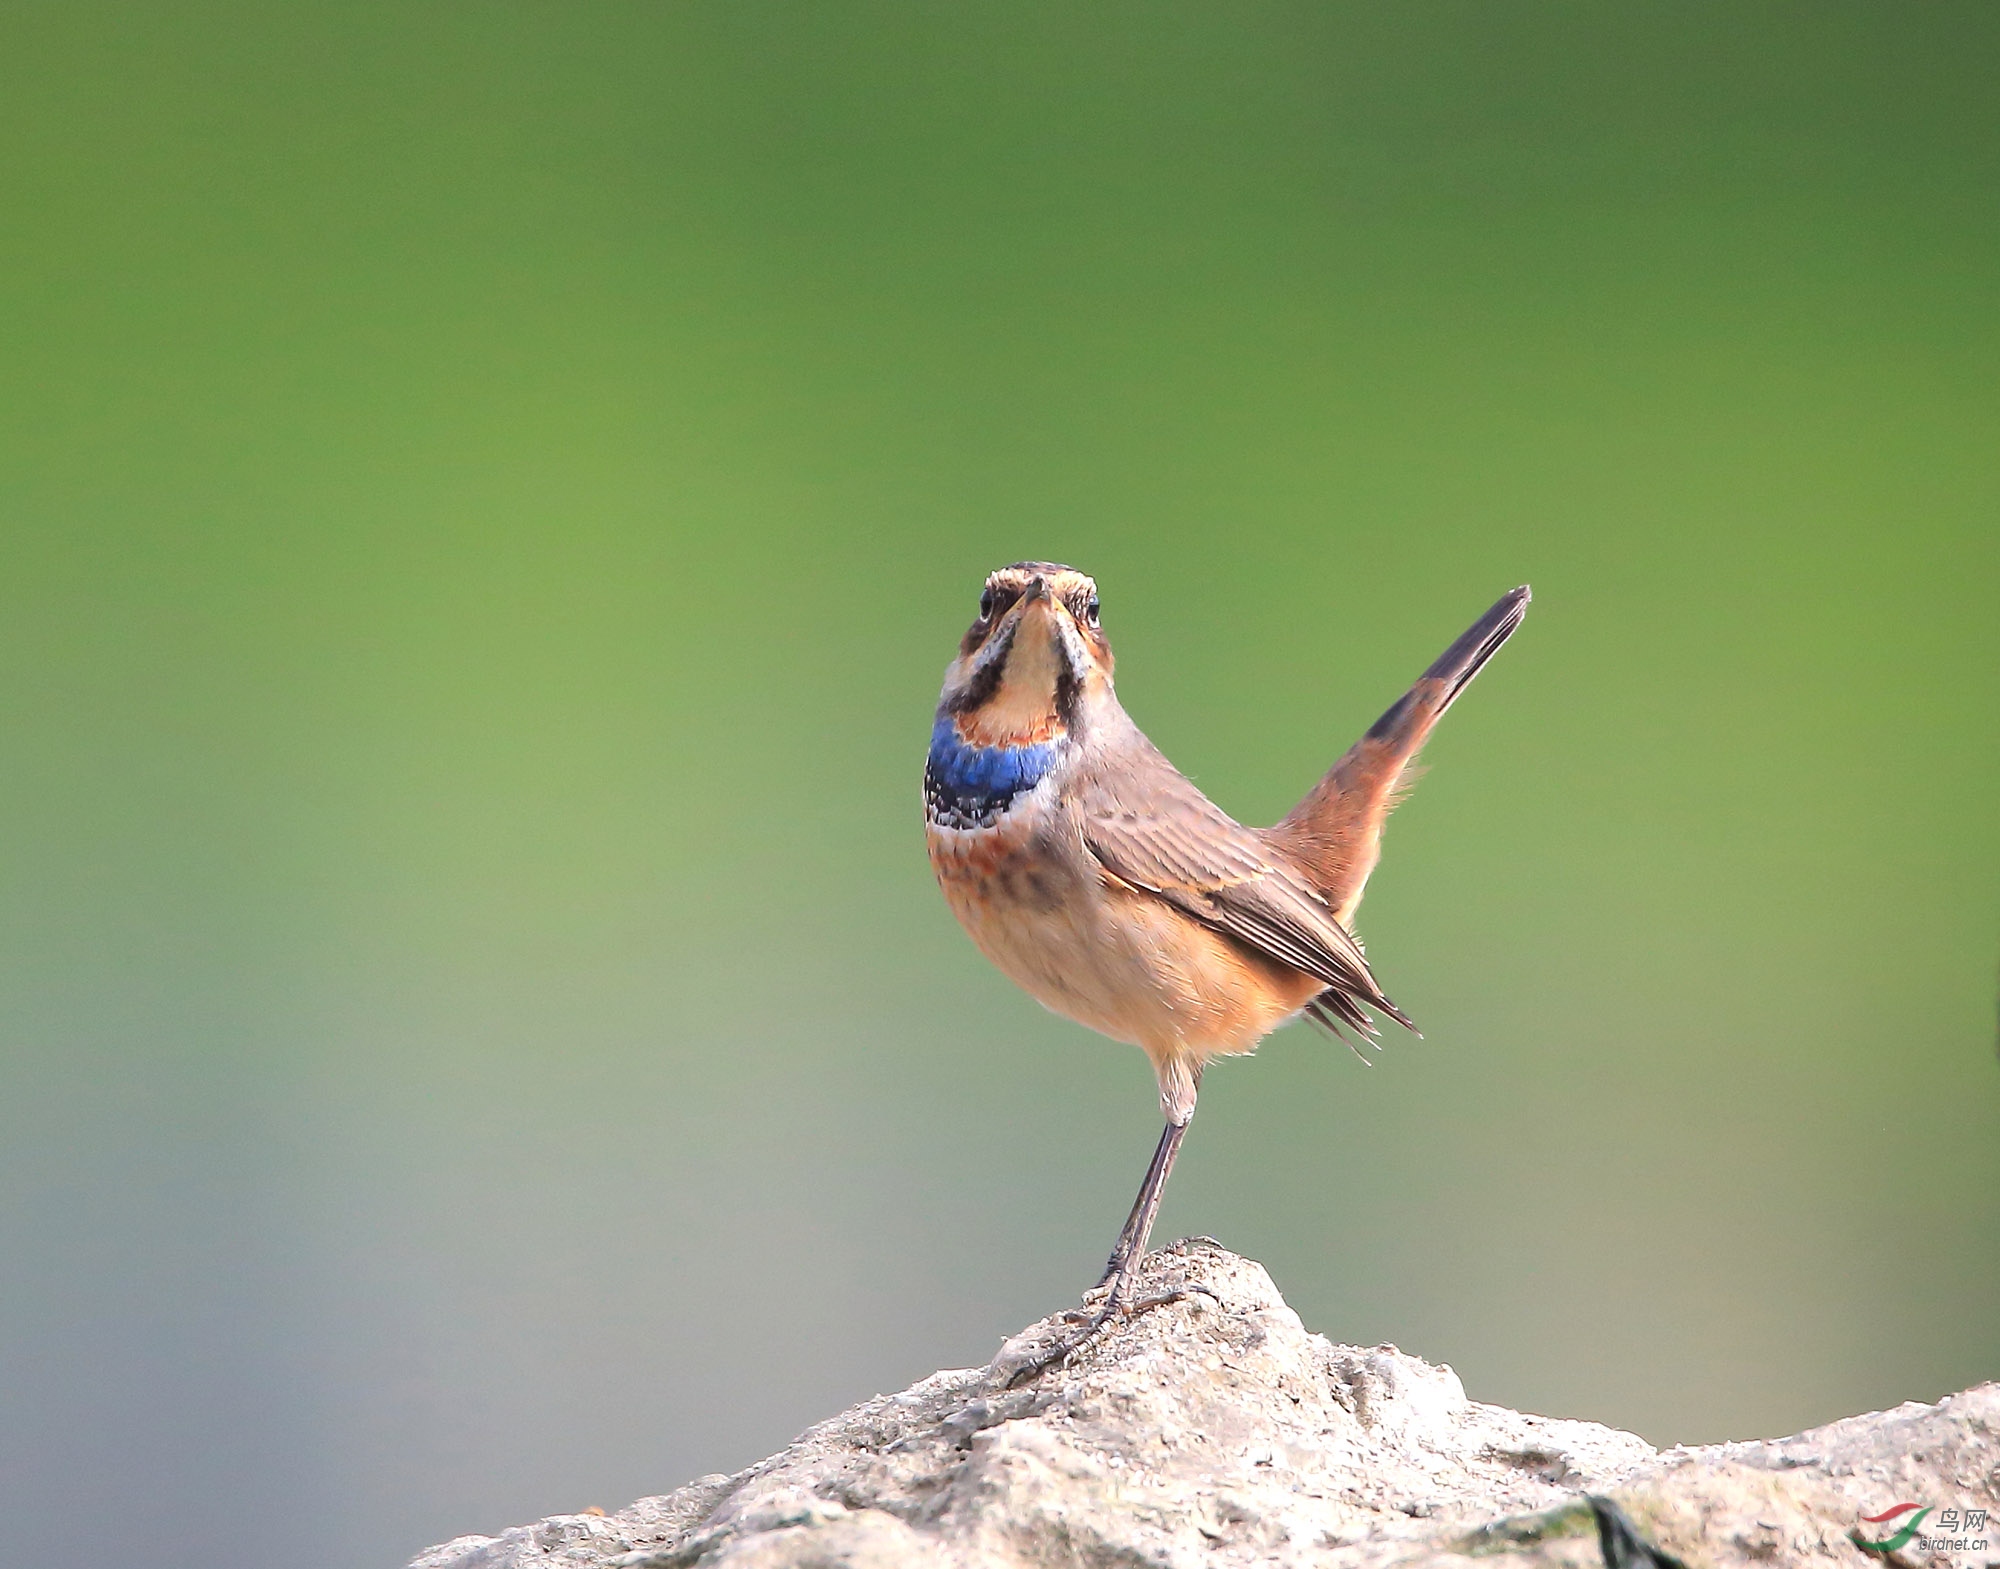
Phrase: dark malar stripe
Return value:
(986, 680)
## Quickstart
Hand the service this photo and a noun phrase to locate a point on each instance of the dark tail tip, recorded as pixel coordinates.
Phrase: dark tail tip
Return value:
(1458, 664)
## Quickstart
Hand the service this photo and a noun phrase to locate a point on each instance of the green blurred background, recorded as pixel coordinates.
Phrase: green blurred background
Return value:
(489, 491)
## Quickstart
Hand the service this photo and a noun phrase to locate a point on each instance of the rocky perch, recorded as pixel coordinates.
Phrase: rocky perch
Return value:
(1214, 1430)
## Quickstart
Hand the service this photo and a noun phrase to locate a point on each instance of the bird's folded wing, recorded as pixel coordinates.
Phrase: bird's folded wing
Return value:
(1148, 825)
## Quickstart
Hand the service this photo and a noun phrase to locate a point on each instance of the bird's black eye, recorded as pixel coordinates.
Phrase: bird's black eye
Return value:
(985, 604)
(1090, 611)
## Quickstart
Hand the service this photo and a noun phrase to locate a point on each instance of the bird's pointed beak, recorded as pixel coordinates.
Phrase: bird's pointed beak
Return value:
(1041, 616)
(1039, 603)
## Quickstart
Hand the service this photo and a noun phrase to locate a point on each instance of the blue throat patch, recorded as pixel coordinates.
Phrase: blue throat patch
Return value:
(967, 786)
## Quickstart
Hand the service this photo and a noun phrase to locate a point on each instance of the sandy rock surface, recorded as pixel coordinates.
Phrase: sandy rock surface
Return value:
(1216, 1431)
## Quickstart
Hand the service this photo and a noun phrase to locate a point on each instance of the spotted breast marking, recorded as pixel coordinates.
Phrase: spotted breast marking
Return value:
(970, 786)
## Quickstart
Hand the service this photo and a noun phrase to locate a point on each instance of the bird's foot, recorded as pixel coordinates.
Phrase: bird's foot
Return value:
(1119, 1303)
(1167, 1298)
(1063, 1349)
(1095, 1300)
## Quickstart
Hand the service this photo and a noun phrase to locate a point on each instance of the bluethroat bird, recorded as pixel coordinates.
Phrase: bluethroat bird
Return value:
(1096, 876)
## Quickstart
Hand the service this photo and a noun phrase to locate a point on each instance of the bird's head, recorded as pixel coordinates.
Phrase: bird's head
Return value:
(1032, 662)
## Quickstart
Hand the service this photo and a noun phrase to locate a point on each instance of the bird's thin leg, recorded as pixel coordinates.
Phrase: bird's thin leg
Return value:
(1123, 1270)
(1131, 1244)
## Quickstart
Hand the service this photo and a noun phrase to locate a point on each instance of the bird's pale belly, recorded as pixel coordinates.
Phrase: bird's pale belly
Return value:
(1118, 960)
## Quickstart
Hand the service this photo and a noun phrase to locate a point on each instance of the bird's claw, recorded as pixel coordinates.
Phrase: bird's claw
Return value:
(1118, 1305)
(1179, 1293)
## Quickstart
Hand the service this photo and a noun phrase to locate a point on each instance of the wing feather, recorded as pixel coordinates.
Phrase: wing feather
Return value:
(1148, 825)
